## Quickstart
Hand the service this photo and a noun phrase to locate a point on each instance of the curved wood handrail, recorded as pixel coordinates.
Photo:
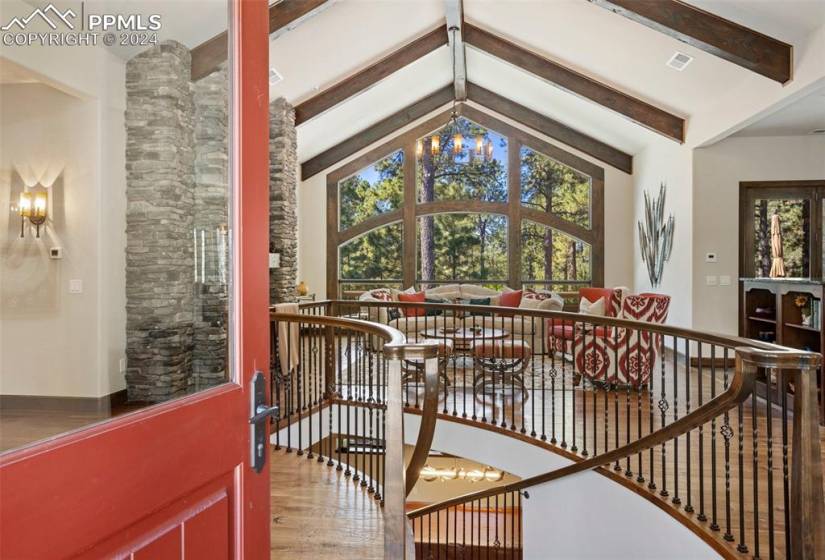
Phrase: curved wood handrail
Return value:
(389, 334)
(565, 316)
(395, 347)
(429, 417)
(739, 389)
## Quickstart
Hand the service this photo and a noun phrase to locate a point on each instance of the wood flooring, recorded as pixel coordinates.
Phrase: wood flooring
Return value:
(319, 513)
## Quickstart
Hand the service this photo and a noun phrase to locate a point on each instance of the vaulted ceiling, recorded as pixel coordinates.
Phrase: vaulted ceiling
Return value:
(319, 44)
(617, 51)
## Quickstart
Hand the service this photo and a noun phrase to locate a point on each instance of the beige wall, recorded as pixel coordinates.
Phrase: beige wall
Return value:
(618, 229)
(53, 342)
(717, 171)
(669, 163)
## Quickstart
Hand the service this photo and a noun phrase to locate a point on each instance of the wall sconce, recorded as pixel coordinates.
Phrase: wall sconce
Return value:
(33, 209)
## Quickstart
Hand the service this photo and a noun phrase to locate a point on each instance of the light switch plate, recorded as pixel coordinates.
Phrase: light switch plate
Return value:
(711, 257)
(274, 260)
(76, 286)
(711, 280)
(724, 280)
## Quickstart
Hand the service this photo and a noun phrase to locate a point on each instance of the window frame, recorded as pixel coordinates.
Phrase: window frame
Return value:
(411, 210)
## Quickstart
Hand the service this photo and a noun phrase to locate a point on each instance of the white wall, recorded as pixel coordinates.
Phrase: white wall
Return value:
(669, 163)
(618, 205)
(717, 171)
(67, 125)
(587, 503)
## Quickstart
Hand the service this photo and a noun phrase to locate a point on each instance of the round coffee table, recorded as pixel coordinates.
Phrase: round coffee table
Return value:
(463, 339)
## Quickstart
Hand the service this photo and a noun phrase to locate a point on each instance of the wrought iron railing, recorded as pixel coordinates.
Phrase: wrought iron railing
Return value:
(337, 383)
(667, 411)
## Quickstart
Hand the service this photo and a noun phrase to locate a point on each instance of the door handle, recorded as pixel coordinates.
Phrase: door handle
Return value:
(262, 412)
(259, 413)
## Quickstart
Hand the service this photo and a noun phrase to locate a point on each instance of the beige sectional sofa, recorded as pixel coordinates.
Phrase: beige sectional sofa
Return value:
(520, 327)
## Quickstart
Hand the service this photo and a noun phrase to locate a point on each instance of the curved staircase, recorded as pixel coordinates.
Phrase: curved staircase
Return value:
(742, 471)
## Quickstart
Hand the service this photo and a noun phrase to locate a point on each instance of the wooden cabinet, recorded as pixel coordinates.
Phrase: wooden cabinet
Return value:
(774, 310)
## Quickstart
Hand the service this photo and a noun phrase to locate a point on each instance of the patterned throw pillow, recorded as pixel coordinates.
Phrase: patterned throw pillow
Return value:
(381, 294)
(541, 299)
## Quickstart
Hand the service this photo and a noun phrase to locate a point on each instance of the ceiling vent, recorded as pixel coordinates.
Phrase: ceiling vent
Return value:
(274, 77)
(818, 131)
(679, 61)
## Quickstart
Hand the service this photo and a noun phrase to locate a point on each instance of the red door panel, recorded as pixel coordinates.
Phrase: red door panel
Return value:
(173, 480)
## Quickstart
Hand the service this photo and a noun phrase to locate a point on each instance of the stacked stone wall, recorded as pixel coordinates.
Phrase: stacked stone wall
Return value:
(283, 216)
(159, 222)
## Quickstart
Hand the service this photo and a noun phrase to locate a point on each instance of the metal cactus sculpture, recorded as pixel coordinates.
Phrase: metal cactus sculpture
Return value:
(656, 236)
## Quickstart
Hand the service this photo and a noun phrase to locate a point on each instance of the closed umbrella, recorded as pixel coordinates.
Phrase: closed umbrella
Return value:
(778, 262)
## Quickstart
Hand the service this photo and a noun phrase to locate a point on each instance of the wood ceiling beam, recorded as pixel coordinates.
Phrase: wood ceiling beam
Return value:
(706, 31)
(550, 127)
(369, 76)
(379, 130)
(283, 16)
(454, 10)
(638, 111)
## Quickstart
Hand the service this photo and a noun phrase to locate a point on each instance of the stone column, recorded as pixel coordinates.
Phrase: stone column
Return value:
(283, 217)
(211, 168)
(159, 223)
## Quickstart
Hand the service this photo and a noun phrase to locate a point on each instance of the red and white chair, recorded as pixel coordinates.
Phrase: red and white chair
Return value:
(616, 355)
(563, 333)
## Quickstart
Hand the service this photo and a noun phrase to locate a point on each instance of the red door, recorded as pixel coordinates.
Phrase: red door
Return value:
(173, 480)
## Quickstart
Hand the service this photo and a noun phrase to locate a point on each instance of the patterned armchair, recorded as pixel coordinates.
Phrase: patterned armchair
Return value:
(622, 356)
(563, 333)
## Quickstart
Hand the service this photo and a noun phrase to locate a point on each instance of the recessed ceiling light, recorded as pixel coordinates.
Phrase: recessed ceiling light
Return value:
(274, 77)
(679, 61)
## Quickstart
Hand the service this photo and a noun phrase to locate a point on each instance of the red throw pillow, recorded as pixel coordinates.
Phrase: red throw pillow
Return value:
(417, 297)
(510, 299)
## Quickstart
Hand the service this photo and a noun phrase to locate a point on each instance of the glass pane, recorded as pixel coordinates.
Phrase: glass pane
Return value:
(552, 257)
(376, 255)
(115, 269)
(553, 187)
(462, 247)
(782, 230)
(374, 190)
(462, 161)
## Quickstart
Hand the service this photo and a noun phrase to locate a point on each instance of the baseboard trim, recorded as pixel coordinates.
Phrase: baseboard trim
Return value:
(63, 404)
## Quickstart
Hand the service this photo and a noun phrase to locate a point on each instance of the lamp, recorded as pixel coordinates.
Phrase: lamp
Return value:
(33, 209)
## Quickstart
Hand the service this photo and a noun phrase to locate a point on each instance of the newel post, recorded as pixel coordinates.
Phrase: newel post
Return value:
(807, 501)
(396, 540)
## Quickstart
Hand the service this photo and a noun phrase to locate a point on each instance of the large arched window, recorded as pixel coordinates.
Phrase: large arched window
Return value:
(469, 200)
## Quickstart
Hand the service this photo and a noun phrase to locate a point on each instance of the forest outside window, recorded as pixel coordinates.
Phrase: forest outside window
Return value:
(462, 247)
(376, 189)
(496, 208)
(794, 229)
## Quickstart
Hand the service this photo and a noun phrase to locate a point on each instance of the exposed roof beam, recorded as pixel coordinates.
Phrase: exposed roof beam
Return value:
(454, 10)
(369, 76)
(283, 16)
(706, 31)
(552, 128)
(638, 111)
(379, 130)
